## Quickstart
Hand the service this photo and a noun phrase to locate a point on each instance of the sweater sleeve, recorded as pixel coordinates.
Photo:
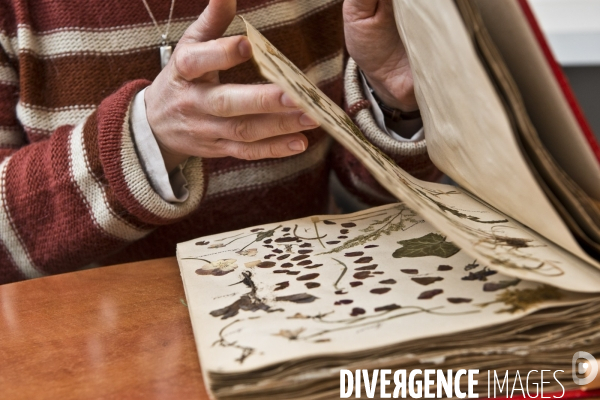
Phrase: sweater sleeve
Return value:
(409, 155)
(79, 194)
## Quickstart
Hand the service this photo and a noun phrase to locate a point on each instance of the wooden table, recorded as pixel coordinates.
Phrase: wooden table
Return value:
(119, 332)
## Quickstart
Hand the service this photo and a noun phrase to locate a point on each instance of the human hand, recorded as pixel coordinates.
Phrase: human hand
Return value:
(373, 42)
(192, 114)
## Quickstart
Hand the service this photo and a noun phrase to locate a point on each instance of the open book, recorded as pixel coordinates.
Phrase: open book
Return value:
(499, 273)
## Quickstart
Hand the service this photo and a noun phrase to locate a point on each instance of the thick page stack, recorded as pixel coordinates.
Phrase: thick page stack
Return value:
(451, 277)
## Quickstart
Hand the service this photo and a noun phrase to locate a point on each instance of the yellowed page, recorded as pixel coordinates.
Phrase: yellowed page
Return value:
(485, 233)
(468, 134)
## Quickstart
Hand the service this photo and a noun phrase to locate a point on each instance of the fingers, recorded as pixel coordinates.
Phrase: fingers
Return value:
(360, 9)
(274, 147)
(193, 60)
(253, 128)
(232, 100)
(212, 23)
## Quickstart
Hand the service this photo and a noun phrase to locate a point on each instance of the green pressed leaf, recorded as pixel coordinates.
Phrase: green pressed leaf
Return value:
(431, 244)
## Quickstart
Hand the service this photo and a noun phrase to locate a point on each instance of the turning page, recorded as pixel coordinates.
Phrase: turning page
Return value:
(486, 234)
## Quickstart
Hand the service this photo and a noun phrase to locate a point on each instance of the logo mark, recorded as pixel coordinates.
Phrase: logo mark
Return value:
(588, 367)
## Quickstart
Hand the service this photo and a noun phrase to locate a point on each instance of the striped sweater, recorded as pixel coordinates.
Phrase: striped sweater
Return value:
(72, 189)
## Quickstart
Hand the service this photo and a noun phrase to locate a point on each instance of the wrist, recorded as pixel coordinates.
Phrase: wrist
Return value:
(394, 96)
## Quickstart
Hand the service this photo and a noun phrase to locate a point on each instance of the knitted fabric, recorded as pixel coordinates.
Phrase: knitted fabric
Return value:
(72, 189)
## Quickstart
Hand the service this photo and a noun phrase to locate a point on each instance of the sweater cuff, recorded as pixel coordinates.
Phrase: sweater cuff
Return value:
(366, 121)
(124, 171)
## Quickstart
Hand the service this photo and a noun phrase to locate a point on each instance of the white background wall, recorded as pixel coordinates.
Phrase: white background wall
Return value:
(573, 28)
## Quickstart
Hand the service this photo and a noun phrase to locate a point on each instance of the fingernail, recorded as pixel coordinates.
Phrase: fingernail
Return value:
(245, 48)
(297, 146)
(287, 101)
(307, 121)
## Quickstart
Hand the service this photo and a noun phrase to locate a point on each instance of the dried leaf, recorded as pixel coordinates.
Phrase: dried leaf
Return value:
(307, 277)
(282, 285)
(297, 298)
(430, 294)
(249, 252)
(410, 271)
(356, 311)
(354, 254)
(343, 302)
(266, 264)
(389, 307)
(363, 260)
(380, 290)
(312, 285)
(479, 275)
(428, 280)
(431, 244)
(458, 300)
(388, 282)
(445, 268)
(355, 283)
(218, 268)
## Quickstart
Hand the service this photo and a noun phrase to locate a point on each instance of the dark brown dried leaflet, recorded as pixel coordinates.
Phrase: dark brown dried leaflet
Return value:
(312, 285)
(333, 242)
(388, 282)
(283, 257)
(349, 225)
(266, 264)
(313, 266)
(305, 262)
(427, 280)
(327, 222)
(354, 254)
(342, 302)
(304, 251)
(445, 268)
(389, 307)
(362, 275)
(282, 285)
(356, 311)
(363, 260)
(344, 231)
(203, 243)
(430, 294)
(298, 298)
(459, 300)
(287, 265)
(298, 258)
(355, 283)
(410, 271)
(307, 277)
(380, 290)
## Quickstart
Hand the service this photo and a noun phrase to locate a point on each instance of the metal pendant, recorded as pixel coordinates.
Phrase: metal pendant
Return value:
(165, 55)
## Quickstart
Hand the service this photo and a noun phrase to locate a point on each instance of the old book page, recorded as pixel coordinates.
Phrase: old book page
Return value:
(300, 289)
(483, 232)
(478, 150)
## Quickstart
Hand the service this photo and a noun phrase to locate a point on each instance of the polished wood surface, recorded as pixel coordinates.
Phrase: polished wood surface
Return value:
(120, 332)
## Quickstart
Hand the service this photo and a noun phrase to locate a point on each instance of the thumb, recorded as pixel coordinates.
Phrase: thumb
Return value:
(360, 9)
(212, 23)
